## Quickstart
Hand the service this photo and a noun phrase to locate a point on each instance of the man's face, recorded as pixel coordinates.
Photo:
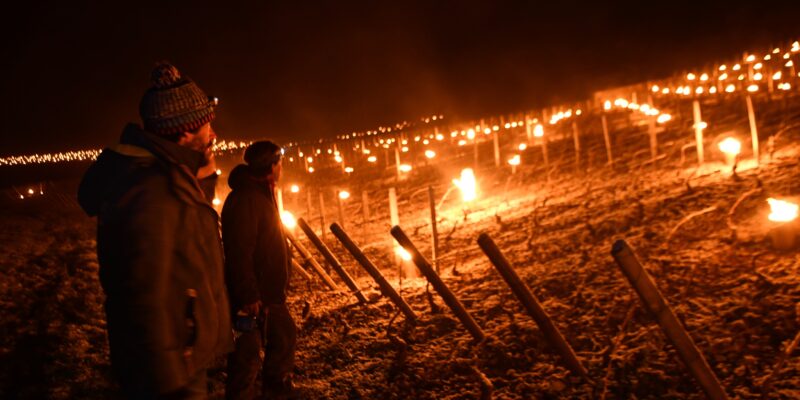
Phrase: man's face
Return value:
(277, 169)
(202, 141)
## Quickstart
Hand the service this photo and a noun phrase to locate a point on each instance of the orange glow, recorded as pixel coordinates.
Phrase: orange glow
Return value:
(372, 159)
(344, 195)
(730, 145)
(288, 219)
(538, 130)
(402, 253)
(404, 168)
(430, 153)
(467, 184)
(294, 189)
(514, 160)
(781, 210)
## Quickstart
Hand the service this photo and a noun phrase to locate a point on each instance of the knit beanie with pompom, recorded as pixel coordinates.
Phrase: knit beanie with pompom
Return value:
(174, 103)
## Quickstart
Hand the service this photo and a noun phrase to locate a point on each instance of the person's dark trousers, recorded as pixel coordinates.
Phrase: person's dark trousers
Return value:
(196, 389)
(244, 362)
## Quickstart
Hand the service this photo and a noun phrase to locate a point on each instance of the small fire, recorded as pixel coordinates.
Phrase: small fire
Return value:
(538, 130)
(430, 153)
(514, 160)
(781, 210)
(372, 159)
(344, 195)
(348, 169)
(288, 219)
(730, 145)
(404, 168)
(294, 188)
(403, 253)
(467, 185)
(216, 201)
(522, 146)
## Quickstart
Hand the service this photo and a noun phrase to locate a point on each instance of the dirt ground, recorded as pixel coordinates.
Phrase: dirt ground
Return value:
(701, 232)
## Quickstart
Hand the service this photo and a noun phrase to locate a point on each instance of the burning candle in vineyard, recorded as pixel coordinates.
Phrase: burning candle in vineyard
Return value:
(404, 168)
(344, 195)
(372, 159)
(288, 220)
(784, 214)
(731, 147)
(402, 253)
(294, 188)
(430, 153)
(538, 130)
(513, 162)
(467, 185)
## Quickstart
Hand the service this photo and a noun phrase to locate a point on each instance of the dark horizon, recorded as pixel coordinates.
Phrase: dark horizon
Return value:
(73, 74)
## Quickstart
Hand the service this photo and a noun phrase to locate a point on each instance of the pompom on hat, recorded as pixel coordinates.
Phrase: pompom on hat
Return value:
(174, 103)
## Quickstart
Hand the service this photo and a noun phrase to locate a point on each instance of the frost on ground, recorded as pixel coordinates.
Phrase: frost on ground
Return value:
(700, 232)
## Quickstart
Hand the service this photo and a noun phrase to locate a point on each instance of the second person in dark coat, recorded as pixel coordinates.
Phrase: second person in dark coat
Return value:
(257, 274)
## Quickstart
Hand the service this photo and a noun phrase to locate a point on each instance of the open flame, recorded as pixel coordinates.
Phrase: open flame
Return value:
(430, 153)
(467, 185)
(294, 189)
(288, 219)
(538, 130)
(781, 210)
(730, 146)
(514, 160)
(344, 195)
(402, 253)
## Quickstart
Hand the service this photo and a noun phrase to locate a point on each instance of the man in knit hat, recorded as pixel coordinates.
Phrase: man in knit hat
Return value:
(158, 243)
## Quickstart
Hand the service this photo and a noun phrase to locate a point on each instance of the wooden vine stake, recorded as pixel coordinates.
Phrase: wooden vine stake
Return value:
(532, 305)
(309, 260)
(386, 289)
(655, 303)
(332, 260)
(698, 131)
(437, 283)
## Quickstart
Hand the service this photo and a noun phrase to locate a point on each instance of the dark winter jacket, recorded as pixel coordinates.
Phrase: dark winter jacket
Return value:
(256, 254)
(161, 261)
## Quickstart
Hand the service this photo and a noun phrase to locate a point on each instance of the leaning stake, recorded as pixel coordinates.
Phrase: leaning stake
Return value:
(309, 260)
(658, 307)
(332, 260)
(386, 289)
(300, 270)
(531, 304)
(448, 296)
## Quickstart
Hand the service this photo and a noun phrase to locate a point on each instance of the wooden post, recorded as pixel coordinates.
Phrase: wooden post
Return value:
(386, 289)
(657, 306)
(322, 213)
(577, 140)
(394, 219)
(308, 202)
(397, 161)
(365, 205)
(434, 231)
(300, 270)
(532, 305)
(309, 260)
(651, 129)
(698, 131)
(437, 283)
(528, 128)
(751, 116)
(475, 152)
(496, 143)
(279, 199)
(339, 206)
(607, 139)
(332, 260)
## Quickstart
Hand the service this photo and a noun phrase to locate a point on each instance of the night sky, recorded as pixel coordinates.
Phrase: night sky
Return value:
(73, 73)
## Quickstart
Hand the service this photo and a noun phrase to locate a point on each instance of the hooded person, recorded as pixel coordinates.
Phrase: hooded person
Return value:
(257, 265)
(158, 243)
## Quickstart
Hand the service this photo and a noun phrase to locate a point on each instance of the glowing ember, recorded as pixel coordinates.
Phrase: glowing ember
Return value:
(430, 153)
(781, 210)
(730, 145)
(288, 219)
(538, 130)
(30, 191)
(344, 195)
(403, 253)
(467, 185)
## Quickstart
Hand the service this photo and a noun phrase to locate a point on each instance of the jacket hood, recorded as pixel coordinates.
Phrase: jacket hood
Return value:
(137, 149)
(241, 178)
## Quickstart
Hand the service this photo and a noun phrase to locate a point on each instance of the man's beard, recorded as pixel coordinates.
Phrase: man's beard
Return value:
(207, 149)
